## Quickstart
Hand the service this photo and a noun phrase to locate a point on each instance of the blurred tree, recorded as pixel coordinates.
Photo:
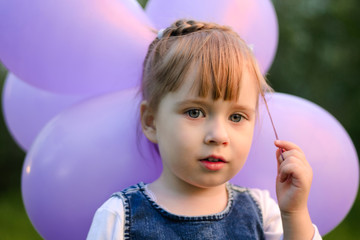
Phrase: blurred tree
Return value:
(11, 156)
(318, 59)
(318, 56)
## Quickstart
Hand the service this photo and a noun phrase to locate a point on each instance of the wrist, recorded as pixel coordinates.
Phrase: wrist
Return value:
(293, 214)
(297, 225)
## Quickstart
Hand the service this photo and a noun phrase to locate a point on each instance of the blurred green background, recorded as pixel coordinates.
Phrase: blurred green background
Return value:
(317, 59)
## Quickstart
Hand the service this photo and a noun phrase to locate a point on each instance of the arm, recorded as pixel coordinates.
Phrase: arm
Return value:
(271, 216)
(293, 184)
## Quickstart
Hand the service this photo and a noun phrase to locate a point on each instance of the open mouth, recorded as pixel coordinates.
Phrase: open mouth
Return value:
(213, 159)
(213, 163)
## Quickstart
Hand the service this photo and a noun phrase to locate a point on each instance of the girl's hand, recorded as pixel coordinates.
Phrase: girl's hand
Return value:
(293, 184)
(294, 178)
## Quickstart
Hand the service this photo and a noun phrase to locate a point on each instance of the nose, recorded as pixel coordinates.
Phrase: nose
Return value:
(216, 133)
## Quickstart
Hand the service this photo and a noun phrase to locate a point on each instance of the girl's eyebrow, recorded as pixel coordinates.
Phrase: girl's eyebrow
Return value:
(207, 104)
(192, 101)
(244, 108)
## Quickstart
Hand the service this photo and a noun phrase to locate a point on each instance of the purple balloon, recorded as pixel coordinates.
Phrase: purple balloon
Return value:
(75, 46)
(79, 159)
(27, 109)
(327, 146)
(254, 20)
(90, 150)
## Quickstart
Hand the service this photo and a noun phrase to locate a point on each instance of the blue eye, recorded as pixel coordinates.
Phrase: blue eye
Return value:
(236, 117)
(194, 113)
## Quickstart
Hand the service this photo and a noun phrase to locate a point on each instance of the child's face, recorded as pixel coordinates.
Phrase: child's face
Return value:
(204, 142)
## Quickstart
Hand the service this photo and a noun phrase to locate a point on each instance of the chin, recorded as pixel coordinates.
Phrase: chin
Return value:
(209, 182)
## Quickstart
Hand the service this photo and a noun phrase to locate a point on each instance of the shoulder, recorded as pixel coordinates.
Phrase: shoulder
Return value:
(109, 218)
(111, 212)
(267, 204)
(131, 189)
(260, 196)
(108, 221)
(269, 209)
(114, 205)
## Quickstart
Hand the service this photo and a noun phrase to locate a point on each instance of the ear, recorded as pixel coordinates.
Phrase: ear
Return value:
(148, 121)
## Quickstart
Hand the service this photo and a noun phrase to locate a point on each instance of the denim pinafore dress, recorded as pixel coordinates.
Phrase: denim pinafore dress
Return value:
(145, 219)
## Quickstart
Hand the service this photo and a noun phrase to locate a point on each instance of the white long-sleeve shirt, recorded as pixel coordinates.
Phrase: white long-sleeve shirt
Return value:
(108, 222)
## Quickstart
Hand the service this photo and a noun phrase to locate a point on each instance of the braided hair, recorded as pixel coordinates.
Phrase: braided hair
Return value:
(216, 53)
(183, 27)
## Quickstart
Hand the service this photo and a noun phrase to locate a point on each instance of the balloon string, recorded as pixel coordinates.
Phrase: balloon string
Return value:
(273, 125)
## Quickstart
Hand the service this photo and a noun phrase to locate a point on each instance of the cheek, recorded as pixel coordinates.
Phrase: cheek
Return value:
(241, 151)
(179, 135)
(188, 135)
(243, 141)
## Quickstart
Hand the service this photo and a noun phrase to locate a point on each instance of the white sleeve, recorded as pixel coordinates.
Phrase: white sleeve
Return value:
(270, 212)
(271, 215)
(108, 221)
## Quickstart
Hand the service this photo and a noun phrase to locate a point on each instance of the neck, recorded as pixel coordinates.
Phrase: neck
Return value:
(182, 198)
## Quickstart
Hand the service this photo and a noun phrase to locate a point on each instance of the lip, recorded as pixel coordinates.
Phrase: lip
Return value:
(222, 159)
(213, 166)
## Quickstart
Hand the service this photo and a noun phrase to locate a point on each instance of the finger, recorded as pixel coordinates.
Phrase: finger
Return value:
(287, 171)
(280, 154)
(286, 145)
(295, 154)
(279, 158)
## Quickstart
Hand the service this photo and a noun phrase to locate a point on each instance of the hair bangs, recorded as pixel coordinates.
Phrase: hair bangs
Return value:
(220, 63)
(214, 59)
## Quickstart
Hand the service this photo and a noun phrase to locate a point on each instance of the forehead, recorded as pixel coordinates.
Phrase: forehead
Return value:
(247, 87)
(218, 70)
(223, 86)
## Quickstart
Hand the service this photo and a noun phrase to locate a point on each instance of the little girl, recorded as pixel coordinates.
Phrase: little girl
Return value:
(201, 85)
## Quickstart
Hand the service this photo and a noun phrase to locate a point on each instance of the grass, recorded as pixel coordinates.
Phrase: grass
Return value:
(14, 223)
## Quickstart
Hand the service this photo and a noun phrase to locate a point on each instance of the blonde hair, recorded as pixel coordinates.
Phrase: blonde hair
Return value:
(217, 53)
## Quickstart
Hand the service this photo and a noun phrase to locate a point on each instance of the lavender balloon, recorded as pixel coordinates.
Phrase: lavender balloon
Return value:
(27, 109)
(254, 20)
(74, 46)
(79, 159)
(91, 150)
(327, 146)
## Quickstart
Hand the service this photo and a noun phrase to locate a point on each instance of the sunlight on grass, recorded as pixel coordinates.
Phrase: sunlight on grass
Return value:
(15, 224)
